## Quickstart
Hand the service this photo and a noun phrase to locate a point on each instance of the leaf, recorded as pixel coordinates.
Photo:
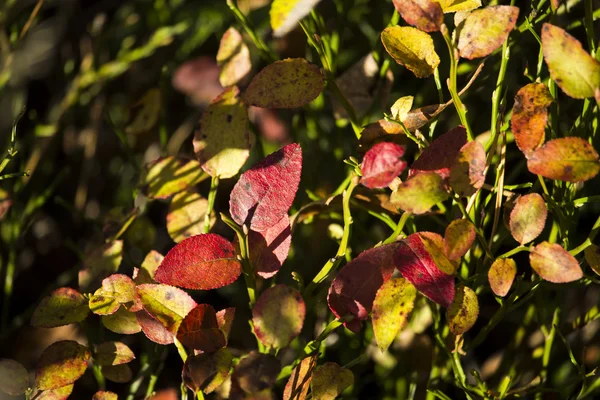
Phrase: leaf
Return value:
(256, 372)
(116, 290)
(435, 247)
(426, 15)
(145, 274)
(104, 395)
(289, 83)
(154, 329)
(501, 275)
(528, 218)
(285, 14)
(416, 264)
(354, 288)
(117, 373)
(61, 364)
(63, 306)
(278, 316)
(592, 256)
(200, 330)
(402, 106)
(529, 117)
(123, 321)
(225, 320)
(571, 67)
(411, 48)
(201, 262)
(99, 263)
(569, 159)
(14, 379)
(62, 393)
(233, 57)
(147, 114)
(167, 304)
(170, 175)
(221, 139)
(484, 30)
(330, 380)
(270, 248)
(420, 192)
(395, 299)
(382, 164)
(458, 238)
(440, 155)
(113, 353)
(298, 383)
(186, 216)
(206, 372)
(265, 192)
(463, 312)
(459, 5)
(467, 174)
(554, 264)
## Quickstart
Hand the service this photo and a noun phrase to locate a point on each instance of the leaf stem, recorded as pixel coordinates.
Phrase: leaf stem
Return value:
(212, 195)
(398, 231)
(180, 349)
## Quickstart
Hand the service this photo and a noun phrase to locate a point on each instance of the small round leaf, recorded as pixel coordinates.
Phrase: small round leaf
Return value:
(554, 264)
(464, 310)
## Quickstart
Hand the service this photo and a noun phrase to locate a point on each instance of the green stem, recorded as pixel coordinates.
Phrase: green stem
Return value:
(248, 271)
(514, 251)
(587, 242)
(496, 96)
(548, 347)
(212, 195)
(180, 349)
(398, 231)
(589, 26)
(97, 370)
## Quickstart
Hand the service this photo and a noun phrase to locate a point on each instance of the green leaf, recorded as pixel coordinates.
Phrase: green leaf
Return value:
(459, 5)
(99, 263)
(501, 275)
(467, 174)
(170, 175)
(570, 159)
(420, 192)
(233, 57)
(63, 306)
(122, 321)
(116, 290)
(145, 274)
(167, 304)
(393, 302)
(61, 364)
(330, 380)
(401, 107)
(221, 140)
(458, 238)
(112, 353)
(186, 216)
(529, 117)
(484, 30)
(570, 66)
(288, 83)
(592, 256)
(528, 218)
(149, 111)
(411, 48)
(464, 310)
(285, 14)
(554, 264)
(14, 379)
(435, 246)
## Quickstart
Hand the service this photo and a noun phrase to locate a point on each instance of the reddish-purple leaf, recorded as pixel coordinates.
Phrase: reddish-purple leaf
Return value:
(200, 329)
(554, 264)
(265, 192)
(381, 164)
(278, 316)
(153, 329)
(570, 159)
(441, 153)
(256, 372)
(501, 275)
(169, 305)
(207, 371)
(458, 238)
(61, 364)
(201, 262)
(427, 15)
(417, 265)
(467, 173)
(528, 218)
(225, 320)
(529, 117)
(63, 306)
(354, 288)
(270, 248)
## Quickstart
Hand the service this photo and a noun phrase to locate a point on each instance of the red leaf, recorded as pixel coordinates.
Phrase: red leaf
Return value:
(200, 329)
(270, 248)
(153, 329)
(355, 287)
(201, 262)
(265, 192)
(441, 153)
(416, 264)
(381, 164)
(427, 15)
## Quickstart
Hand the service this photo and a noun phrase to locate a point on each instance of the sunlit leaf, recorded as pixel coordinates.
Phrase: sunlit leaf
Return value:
(298, 383)
(458, 238)
(117, 373)
(233, 57)
(207, 371)
(200, 329)
(382, 164)
(570, 66)
(554, 264)
(440, 155)
(104, 395)
(113, 353)
(169, 305)
(426, 15)
(145, 274)
(221, 140)
(256, 372)
(467, 172)
(501, 275)
(225, 320)
(99, 263)
(123, 321)
(529, 116)
(270, 248)
(463, 312)
(61, 364)
(395, 299)
(63, 306)
(592, 256)
(170, 175)
(330, 380)
(570, 159)
(528, 218)
(116, 290)
(186, 216)
(62, 393)
(459, 5)
(420, 192)
(285, 14)
(288, 83)
(435, 246)
(401, 107)
(265, 192)
(148, 112)
(14, 379)
(484, 30)
(411, 48)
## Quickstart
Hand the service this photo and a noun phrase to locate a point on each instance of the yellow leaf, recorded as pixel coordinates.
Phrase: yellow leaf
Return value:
(411, 48)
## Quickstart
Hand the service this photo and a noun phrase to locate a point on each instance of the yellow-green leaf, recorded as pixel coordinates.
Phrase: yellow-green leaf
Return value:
(528, 218)
(464, 310)
(484, 30)
(63, 306)
(393, 302)
(167, 304)
(501, 275)
(99, 263)
(113, 353)
(411, 48)
(170, 175)
(458, 238)
(592, 256)
(147, 114)
(145, 274)
(186, 215)
(459, 5)
(116, 290)
(420, 192)
(233, 57)
(554, 264)
(330, 380)
(401, 107)
(122, 321)
(61, 364)
(285, 14)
